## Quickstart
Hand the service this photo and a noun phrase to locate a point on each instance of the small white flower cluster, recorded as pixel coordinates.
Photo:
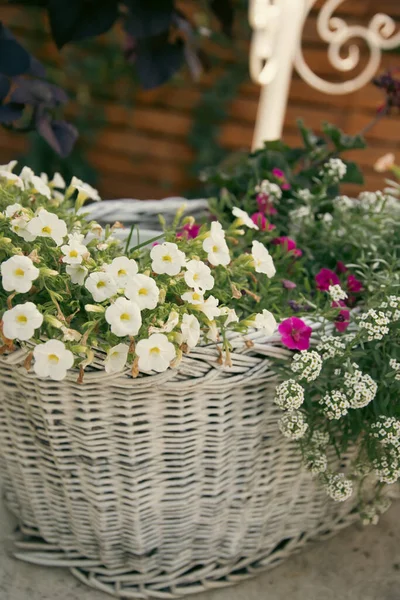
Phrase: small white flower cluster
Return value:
(293, 425)
(375, 323)
(338, 487)
(360, 389)
(306, 195)
(335, 404)
(387, 430)
(269, 188)
(316, 460)
(330, 346)
(371, 512)
(320, 438)
(289, 395)
(395, 365)
(337, 293)
(335, 169)
(392, 308)
(387, 466)
(307, 364)
(344, 203)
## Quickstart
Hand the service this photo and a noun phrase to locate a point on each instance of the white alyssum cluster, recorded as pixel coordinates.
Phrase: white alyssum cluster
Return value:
(307, 365)
(269, 188)
(387, 466)
(330, 346)
(316, 460)
(360, 389)
(386, 430)
(335, 404)
(375, 323)
(395, 365)
(338, 487)
(337, 293)
(320, 438)
(335, 169)
(293, 425)
(289, 395)
(392, 308)
(306, 195)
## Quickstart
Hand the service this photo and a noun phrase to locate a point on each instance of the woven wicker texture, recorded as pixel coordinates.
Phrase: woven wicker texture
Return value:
(160, 485)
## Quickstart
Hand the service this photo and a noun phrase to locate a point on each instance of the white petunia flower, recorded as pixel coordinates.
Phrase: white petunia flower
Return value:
(155, 353)
(169, 325)
(21, 321)
(52, 359)
(142, 290)
(167, 258)
(265, 321)
(124, 317)
(34, 183)
(9, 166)
(213, 332)
(19, 225)
(243, 218)
(231, 316)
(85, 191)
(18, 272)
(101, 285)
(96, 232)
(198, 275)
(76, 236)
(12, 179)
(190, 328)
(74, 252)
(56, 182)
(122, 269)
(116, 358)
(216, 246)
(47, 224)
(263, 262)
(210, 308)
(77, 273)
(193, 297)
(13, 210)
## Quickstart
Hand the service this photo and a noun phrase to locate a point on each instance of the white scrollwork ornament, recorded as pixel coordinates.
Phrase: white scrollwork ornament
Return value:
(264, 18)
(380, 34)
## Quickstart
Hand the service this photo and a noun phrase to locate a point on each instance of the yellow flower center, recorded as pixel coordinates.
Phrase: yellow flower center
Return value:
(101, 284)
(22, 319)
(167, 258)
(53, 358)
(155, 350)
(196, 296)
(125, 317)
(143, 292)
(115, 355)
(195, 277)
(19, 272)
(73, 253)
(46, 229)
(215, 248)
(122, 272)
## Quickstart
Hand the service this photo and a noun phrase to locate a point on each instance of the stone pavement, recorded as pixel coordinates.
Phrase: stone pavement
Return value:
(358, 564)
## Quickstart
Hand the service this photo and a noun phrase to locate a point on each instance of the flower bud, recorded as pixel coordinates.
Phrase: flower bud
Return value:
(96, 308)
(48, 272)
(53, 321)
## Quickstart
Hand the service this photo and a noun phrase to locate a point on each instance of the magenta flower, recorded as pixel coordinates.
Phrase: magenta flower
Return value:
(354, 285)
(265, 205)
(342, 321)
(295, 334)
(189, 231)
(325, 278)
(288, 244)
(341, 267)
(281, 177)
(261, 221)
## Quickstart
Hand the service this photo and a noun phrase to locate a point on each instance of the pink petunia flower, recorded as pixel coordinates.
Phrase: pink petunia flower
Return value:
(189, 231)
(342, 321)
(295, 333)
(341, 267)
(325, 278)
(281, 177)
(262, 222)
(354, 285)
(288, 244)
(265, 205)
(288, 285)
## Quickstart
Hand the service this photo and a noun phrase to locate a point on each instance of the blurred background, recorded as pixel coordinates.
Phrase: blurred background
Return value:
(152, 144)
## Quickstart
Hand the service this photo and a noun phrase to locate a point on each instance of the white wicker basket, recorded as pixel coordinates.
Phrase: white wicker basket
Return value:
(159, 486)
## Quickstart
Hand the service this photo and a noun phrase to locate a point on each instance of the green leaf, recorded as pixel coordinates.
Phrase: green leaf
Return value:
(341, 140)
(310, 140)
(353, 174)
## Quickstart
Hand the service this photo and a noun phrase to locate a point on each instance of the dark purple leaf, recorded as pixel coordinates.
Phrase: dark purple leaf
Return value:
(156, 64)
(36, 68)
(224, 11)
(14, 59)
(4, 86)
(76, 20)
(149, 18)
(38, 92)
(10, 112)
(61, 136)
